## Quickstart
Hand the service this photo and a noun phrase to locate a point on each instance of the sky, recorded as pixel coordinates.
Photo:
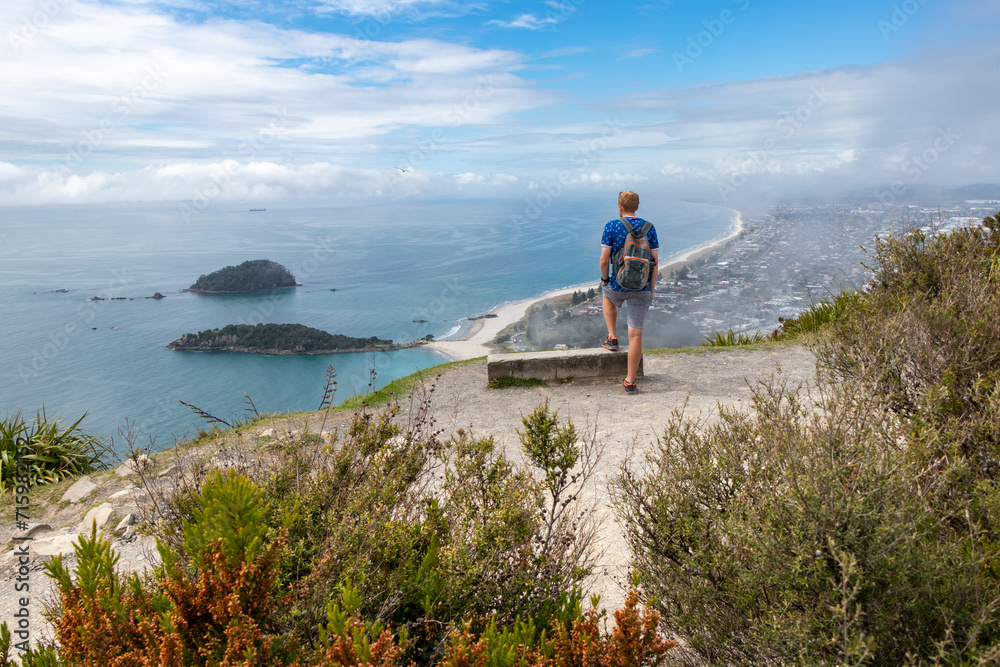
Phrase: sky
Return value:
(254, 100)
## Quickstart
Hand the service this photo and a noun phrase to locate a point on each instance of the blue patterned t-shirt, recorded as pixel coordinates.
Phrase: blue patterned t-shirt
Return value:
(614, 237)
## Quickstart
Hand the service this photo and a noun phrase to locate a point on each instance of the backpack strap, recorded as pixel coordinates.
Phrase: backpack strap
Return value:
(616, 260)
(644, 230)
(643, 233)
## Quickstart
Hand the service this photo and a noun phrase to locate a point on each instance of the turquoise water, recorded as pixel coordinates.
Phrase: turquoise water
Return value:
(365, 271)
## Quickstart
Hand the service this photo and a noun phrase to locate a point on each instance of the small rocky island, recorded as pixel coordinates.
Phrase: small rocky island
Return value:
(256, 275)
(281, 339)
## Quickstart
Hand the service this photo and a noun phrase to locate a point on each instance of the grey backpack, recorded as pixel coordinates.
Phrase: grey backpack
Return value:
(633, 264)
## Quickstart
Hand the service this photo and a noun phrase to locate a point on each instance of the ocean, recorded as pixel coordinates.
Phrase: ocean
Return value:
(366, 270)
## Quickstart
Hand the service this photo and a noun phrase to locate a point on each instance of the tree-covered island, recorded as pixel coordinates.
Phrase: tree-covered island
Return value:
(255, 275)
(281, 339)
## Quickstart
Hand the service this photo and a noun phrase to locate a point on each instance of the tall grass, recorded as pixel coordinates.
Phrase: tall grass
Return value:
(730, 338)
(818, 316)
(50, 451)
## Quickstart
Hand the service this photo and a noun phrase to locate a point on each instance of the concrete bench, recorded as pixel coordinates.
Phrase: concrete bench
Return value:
(560, 364)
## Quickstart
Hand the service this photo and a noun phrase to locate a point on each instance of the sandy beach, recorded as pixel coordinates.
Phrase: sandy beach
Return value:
(476, 341)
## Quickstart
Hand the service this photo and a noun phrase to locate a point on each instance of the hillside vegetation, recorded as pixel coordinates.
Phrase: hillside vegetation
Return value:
(256, 275)
(275, 338)
(858, 525)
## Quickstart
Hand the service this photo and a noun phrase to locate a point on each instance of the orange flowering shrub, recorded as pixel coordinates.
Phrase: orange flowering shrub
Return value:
(634, 642)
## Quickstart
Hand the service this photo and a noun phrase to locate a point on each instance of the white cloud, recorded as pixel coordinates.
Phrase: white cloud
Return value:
(196, 185)
(372, 7)
(528, 21)
(566, 51)
(930, 118)
(118, 101)
(638, 53)
(97, 78)
(470, 178)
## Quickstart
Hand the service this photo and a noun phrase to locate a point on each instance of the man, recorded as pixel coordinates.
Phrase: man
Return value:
(615, 295)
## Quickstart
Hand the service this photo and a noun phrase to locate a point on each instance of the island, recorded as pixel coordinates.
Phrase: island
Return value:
(255, 275)
(281, 339)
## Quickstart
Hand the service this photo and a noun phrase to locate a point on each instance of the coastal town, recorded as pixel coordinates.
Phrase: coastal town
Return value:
(778, 265)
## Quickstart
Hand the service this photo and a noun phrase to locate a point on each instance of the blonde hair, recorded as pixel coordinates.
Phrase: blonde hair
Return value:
(629, 201)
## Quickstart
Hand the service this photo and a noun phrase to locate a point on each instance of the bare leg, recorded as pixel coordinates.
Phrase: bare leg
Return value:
(634, 352)
(610, 317)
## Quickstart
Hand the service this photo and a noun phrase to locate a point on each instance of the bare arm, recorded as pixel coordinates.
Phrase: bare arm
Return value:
(605, 261)
(655, 252)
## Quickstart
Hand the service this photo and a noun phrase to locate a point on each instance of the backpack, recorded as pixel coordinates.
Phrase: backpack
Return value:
(633, 263)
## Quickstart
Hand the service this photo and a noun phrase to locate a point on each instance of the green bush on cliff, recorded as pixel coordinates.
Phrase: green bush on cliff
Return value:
(47, 450)
(859, 524)
(429, 531)
(818, 316)
(387, 547)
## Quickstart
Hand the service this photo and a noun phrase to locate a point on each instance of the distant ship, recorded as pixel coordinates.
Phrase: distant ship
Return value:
(255, 210)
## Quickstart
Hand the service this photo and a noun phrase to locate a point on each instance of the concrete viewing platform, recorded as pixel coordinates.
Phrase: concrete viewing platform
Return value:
(559, 364)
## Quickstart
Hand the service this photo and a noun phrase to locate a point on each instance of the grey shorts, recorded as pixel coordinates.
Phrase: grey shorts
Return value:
(639, 303)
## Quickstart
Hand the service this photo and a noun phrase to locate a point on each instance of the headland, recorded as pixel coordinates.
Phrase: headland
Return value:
(477, 341)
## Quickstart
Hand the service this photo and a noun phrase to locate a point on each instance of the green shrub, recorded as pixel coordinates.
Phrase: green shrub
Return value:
(929, 319)
(804, 533)
(49, 451)
(427, 531)
(428, 551)
(925, 342)
(730, 338)
(862, 525)
(474, 543)
(220, 611)
(818, 316)
(229, 508)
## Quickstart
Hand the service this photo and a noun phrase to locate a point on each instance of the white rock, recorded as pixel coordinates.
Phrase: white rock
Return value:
(129, 492)
(126, 522)
(34, 530)
(100, 514)
(51, 546)
(133, 466)
(267, 433)
(80, 489)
